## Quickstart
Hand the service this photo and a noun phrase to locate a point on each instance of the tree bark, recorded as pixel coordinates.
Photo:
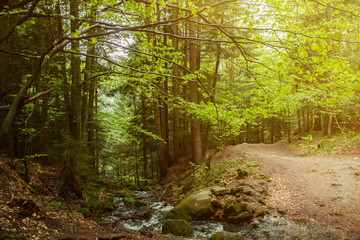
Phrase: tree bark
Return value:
(143, 137)
(329, 131)
(163, 163)
(175, 90)
(75, 76)
(194, 48)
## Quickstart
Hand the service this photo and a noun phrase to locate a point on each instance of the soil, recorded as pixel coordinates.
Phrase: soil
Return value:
(322, 188)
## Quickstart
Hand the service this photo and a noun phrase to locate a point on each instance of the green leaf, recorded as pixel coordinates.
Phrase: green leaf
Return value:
(314, 46)
(94, 40)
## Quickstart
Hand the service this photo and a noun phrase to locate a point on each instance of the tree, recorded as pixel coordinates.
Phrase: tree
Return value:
(255, 72)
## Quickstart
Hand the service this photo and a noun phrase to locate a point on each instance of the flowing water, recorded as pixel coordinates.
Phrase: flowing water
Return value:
(129, 219)
(147, 220)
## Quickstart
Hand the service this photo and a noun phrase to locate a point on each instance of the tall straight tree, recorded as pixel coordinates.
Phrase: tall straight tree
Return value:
(75, 75)
(175, 82)
(194, 48)
(161, 148)
(71, 183)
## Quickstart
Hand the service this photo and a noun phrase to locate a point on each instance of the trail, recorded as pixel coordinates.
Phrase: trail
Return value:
(323, 188)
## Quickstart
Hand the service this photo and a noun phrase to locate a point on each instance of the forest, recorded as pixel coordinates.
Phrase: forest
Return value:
(124, 90)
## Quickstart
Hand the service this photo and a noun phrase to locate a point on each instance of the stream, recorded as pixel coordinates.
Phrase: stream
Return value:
(147, 220)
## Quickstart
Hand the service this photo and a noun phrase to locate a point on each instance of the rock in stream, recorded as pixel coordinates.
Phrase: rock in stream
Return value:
(148, 220)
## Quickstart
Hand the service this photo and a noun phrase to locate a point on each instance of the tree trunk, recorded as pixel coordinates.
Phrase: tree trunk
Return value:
(317, 121)
(163, 163)
(45, 138)
(194, 48)
(76, 76)
(175, 81)
(184, 149)
(299, 122)
(143, 137)
(96, 143)
(329, 131)
(164, 116)
(89, 64)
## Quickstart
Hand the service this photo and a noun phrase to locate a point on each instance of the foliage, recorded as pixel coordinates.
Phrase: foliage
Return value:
(266, 70)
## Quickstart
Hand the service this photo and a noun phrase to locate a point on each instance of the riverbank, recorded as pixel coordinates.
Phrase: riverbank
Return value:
(36, 211)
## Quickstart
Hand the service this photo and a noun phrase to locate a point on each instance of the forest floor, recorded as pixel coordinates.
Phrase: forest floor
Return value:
(325, 188)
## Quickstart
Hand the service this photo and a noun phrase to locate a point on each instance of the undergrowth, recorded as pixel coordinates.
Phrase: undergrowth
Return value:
(223, 173)
(325, 145)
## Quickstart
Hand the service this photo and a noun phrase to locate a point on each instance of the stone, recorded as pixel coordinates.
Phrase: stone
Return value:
(223, 235)
(242, 217)
(195, 207)
(243, 198)
(282, 211)
(233, 208)
(215, 203)
(177, 227)
(236, 190)
(219, 191)
(238, 212)
(260, 212)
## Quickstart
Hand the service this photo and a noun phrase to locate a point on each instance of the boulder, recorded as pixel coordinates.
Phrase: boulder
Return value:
(195, 207)
(219, 191)
(242, 217)
(243, 190)
(233, 208)
(178, 227)
(223, 235)
(238, 212)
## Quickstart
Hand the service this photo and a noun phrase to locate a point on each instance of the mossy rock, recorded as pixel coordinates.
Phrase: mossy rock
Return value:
(216, 204)
(178, 227)
(223, 235)
(220, 191)
(238, 212)
(232, 208)
(248, 190)
(134, 201)
(195, 207)
(242, 217)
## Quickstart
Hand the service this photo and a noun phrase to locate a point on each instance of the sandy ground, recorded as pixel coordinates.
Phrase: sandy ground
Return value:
(323, 188)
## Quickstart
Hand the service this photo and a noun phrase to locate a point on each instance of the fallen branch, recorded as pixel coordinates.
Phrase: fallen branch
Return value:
(29, 100)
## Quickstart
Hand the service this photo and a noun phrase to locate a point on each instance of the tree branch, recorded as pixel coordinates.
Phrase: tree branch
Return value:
(21, 21)
(19, 54)
(14, 5)
(29, 100)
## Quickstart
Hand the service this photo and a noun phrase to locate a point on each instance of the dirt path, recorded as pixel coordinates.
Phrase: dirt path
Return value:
(324, 188)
